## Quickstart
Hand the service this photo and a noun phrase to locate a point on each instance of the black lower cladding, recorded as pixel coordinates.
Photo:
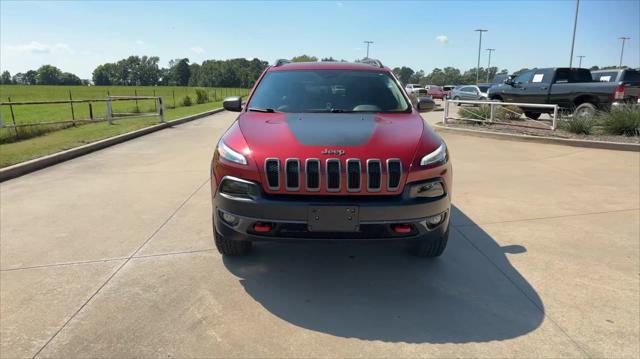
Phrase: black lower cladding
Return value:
(288, 216)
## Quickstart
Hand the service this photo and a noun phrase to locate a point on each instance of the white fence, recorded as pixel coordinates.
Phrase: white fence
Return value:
(110, 115)
(493, 105)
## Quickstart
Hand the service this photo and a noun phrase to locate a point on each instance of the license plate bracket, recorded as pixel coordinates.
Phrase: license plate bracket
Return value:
(333, 219)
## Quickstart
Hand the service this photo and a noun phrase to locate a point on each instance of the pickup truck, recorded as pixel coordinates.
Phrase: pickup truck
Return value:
(573, 89)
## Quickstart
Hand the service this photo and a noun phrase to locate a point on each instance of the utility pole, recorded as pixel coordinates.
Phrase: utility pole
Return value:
(580, 62)
(622, 50)
(368, 43)
(479, 48)
(489, 64)
(573, 41)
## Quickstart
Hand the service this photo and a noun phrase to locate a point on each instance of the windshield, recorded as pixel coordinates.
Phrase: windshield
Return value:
(483, 88)
(329, 91)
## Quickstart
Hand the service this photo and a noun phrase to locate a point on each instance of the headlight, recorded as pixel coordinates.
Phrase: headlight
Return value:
(438, 157)
(230, 155)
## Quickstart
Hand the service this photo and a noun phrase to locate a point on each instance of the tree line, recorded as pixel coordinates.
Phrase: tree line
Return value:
(240, 72)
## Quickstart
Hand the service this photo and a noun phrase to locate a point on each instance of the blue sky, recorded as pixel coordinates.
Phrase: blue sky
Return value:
(77, 36)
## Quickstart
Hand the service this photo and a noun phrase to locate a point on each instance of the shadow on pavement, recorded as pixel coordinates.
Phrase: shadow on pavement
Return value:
(377, 291)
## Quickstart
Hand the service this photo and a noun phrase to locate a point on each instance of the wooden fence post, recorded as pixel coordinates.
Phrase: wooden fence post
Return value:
(155, 103)
(174, 97)
(73, 115)
(90, 111)
(13, 117)
(135, 93)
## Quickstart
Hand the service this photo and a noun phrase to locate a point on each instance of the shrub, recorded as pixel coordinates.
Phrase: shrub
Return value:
(201, 96)
(579, 125)
(508, 113)
(622, 121)
(479, 113)
(186, 101)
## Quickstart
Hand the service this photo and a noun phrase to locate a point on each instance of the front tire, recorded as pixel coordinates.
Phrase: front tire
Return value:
(431, 248)
(230, 248)
(584, 110)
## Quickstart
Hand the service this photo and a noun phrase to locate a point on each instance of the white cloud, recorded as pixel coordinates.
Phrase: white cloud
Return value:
(197, 49)
(35, 47)
(443, 39)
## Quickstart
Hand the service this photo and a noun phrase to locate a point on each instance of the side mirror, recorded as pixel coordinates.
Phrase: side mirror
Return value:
(425, 104)
(233, 103)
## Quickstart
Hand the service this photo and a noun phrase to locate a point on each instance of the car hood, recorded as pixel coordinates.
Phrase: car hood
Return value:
(325, 135)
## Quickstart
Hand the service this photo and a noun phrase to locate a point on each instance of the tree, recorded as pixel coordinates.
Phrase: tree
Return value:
(181, 72)
(328, 59)
(104, 75)
(31, 77)
(67, 78)
(18, 79)
(48, 75)
(5, 78)
(403, 74)
(304, 58)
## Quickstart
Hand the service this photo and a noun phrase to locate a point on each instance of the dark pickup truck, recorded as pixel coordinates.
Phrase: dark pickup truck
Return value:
(572, 89)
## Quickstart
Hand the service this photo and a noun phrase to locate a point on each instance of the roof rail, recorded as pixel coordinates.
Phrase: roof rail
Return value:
(372, 62)
(280, 62)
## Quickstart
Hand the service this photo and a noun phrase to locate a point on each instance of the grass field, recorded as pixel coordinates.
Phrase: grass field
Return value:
(16, 152)
(25, 114)
(35, 141)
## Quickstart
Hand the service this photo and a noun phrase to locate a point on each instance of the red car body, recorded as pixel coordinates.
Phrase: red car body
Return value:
(436, 92)
(294, 139)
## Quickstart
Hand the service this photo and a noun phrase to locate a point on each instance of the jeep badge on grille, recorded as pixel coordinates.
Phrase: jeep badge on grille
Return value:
(327, 151)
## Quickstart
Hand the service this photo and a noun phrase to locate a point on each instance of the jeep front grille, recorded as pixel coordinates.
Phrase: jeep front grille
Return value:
(312, 175)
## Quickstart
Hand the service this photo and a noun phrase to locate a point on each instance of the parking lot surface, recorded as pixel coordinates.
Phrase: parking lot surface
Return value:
(111, 255)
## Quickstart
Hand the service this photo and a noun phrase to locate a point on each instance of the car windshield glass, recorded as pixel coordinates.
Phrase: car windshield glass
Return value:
(329, 91)
(483, 88)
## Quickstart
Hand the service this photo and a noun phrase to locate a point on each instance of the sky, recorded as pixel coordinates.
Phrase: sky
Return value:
(78, 36)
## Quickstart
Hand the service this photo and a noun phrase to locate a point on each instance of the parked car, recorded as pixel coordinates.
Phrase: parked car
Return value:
(435, 92)
(447, 90)
(415, 89)
(499, 79)
(470, 92)
(572, 89)
(303, 163)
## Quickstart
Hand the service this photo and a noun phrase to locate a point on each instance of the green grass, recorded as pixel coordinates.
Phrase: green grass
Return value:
(16, 152)
(26, 114)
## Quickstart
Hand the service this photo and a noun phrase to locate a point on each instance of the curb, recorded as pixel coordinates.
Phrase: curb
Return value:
(36, 164)
(616, 146)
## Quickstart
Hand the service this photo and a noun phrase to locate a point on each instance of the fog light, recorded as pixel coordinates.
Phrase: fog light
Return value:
(429, 189)
(434, 221)
(229, 218)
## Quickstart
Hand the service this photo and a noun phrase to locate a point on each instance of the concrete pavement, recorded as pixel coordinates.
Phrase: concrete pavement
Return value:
(110, 255)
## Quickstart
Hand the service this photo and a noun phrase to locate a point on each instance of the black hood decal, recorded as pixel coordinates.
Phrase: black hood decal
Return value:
(331, 129)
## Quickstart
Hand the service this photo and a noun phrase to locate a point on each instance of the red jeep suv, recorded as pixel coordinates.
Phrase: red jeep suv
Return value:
(330, 151)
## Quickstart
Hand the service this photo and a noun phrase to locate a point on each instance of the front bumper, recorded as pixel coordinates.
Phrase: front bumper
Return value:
(288, 216)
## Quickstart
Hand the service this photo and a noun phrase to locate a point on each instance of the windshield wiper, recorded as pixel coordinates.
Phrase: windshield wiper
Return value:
(255, 109)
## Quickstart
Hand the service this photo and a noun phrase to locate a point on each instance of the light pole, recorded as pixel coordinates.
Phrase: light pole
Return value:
(368, 43)
(580, 62)
(489, 64)
(479, 47)
(622, 50)
(573, 41)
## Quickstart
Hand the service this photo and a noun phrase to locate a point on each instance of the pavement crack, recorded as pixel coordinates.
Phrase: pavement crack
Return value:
(64, 264)
(550, 217)
(127, 260)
